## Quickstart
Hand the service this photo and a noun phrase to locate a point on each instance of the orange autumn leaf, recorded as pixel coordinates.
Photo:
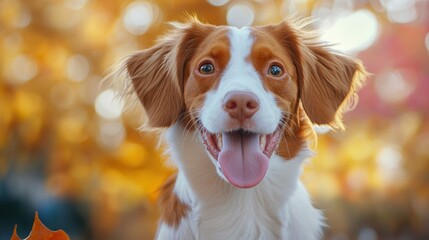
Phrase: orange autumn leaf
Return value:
(41, 232)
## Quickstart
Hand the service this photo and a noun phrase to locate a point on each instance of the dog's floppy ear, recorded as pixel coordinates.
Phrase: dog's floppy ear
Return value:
(327, 80)
(157, 74)
(329, 83)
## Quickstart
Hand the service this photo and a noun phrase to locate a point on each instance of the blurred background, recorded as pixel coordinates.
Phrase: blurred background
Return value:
(69, 150)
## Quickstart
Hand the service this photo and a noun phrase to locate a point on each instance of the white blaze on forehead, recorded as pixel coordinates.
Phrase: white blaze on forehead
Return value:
(239, 71)
(240, 75)
(241, 43)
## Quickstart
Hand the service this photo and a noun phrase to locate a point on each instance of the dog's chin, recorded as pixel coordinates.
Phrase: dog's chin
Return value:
(241, 156)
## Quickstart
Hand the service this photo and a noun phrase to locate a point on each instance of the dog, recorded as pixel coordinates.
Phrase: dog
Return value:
(239, 106)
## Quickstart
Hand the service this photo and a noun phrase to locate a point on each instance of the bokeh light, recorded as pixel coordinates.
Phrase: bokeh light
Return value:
(240, 15)
(389, 162)
(108, 104)
(53, 16)
(400, 11)
(352, 32)
(138, 17)
(22, 68)
(111, 134)
(78, 68)
(23, 19)
(217, 3)
(75, 4)
(393, 86)
(367, 234)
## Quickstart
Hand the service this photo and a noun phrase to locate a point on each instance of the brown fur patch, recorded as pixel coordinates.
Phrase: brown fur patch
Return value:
(213, 49)
(295, 135)
(267, 51)
(172, 209)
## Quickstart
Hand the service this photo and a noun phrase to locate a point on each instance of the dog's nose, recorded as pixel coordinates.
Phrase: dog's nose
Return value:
(241, 105)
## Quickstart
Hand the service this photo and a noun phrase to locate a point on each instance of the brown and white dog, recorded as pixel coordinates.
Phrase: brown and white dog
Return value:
(239, 105)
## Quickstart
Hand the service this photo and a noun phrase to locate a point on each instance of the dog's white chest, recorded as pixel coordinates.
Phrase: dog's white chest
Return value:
(246, 215)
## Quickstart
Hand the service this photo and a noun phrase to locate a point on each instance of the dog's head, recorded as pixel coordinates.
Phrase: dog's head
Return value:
(243, 89)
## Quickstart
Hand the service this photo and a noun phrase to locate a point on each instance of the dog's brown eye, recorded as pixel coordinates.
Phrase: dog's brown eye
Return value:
(275, 71)
(207, 69)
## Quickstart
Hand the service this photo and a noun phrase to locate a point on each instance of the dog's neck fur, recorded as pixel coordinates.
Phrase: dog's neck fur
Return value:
(219, 210)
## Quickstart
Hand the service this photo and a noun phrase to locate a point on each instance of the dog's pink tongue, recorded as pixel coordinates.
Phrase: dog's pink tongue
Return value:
(241, 160)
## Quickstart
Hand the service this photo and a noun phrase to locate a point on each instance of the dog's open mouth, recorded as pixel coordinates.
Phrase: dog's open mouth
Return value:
(242, 155)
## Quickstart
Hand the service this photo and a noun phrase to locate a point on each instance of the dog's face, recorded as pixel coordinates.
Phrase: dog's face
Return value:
(243, 90)
(240, 90)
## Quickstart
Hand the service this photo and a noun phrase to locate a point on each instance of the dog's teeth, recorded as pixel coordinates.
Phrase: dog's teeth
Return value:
(262, 142)
(219, 141)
